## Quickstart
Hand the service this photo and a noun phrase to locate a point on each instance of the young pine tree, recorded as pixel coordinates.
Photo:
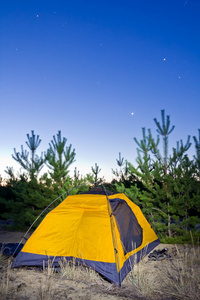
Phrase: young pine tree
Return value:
(197, 157)
(122, 173)
(34, 164)
(95, 170)
(59, 157)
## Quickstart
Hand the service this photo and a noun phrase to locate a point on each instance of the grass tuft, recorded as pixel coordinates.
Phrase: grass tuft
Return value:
(71, 271)
(5, 282)
(182, 276)
(46, 291)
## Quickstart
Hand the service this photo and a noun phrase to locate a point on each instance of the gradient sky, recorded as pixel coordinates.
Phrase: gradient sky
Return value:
(84, 66)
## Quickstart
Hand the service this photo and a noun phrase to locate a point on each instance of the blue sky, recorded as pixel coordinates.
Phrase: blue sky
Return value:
(83, 67)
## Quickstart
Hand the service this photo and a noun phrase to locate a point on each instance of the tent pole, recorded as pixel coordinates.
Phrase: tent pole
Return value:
(114, 237)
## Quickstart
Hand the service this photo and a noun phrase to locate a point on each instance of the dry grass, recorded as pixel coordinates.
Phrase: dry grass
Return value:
(46, 290)
(141, 280)
(5, 281)
(71, 271)
(183, 275)
(178, 278)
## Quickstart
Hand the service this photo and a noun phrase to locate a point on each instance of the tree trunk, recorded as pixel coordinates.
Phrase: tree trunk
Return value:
(169, 221)
(165, 154)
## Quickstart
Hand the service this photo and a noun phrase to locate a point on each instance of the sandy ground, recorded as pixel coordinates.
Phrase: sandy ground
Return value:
(34, 284)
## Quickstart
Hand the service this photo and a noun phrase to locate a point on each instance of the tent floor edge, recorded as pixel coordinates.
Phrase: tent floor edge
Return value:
(107, 270)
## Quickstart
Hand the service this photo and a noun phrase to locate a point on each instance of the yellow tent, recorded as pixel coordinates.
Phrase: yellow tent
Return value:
(108, 233)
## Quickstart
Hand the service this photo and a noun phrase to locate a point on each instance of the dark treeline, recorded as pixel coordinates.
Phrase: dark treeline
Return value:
(165, 186)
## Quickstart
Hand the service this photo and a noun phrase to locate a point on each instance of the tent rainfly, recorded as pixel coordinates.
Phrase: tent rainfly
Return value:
(104, 231)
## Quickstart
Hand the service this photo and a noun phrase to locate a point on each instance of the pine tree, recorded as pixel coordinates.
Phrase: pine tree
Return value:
(164, 131)
(197, 157)
(59, 157)
(184, 187)
(122, 173)
(178, 153)
(76, 174)
(144, 161)
(96, 170)
(35, 163)
(156, 193)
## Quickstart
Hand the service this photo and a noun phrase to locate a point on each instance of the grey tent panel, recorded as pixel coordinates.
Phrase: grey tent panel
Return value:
(131, 232)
